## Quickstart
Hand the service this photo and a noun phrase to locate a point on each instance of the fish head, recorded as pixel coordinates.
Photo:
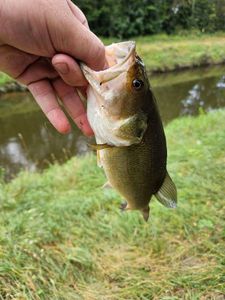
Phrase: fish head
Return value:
(118, 108)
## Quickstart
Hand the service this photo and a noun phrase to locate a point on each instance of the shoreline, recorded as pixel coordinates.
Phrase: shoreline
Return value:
(185, 68)
(15, 87)
(12, 87)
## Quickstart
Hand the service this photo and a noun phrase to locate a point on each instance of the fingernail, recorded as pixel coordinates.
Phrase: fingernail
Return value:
(62, 68)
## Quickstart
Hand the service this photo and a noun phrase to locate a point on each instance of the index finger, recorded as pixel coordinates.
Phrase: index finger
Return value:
(78, 13)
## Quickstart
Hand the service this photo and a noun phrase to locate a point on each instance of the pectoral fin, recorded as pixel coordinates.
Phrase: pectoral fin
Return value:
(167, 194)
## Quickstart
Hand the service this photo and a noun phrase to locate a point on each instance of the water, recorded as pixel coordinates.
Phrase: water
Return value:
(28, 141)
(187, 93)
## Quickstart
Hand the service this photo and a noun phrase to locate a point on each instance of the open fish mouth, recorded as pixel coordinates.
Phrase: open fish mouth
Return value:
(120, 57)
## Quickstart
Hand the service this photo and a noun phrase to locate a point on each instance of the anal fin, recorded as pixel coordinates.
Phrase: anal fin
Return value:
(145, 213)
(167, 194)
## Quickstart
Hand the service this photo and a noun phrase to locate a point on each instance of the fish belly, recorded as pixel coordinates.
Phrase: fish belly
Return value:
(137, 172)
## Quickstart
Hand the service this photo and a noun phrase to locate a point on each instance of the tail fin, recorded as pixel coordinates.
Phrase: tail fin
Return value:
(167, 194)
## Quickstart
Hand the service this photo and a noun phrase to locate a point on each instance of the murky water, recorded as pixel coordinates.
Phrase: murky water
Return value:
(187, 93)
(28, 141)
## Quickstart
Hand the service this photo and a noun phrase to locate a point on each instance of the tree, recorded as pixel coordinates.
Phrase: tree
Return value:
(124, 19)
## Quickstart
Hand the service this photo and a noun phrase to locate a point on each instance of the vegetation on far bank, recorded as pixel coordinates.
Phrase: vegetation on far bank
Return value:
(63, 237)
(125, 19)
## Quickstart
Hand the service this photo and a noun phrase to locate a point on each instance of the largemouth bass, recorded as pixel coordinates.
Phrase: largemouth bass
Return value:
(131, 144)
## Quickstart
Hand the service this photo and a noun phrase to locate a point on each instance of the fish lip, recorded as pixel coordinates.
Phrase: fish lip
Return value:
(92, 76)
(89, 75)
(131, 49)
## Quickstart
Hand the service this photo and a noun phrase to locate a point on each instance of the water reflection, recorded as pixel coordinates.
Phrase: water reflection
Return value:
(221, 83)
(189, 97)
(193, 102)
(28, 141)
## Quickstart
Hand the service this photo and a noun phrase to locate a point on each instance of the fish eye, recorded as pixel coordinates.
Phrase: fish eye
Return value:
(137, 84)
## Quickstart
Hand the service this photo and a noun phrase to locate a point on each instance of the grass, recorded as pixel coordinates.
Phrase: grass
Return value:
(63, 237)
(167, 53)
(4, 78)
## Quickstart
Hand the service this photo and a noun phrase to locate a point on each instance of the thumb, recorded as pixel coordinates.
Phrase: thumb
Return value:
(76, 40)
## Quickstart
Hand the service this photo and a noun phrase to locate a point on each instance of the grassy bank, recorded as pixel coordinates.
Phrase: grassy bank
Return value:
(171, 52)
(63, 237)
(4, 79)
(166, 53)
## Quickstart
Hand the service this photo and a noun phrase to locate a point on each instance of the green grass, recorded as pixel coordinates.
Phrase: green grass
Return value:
(166, 53)
(4, 79)
(63, 237)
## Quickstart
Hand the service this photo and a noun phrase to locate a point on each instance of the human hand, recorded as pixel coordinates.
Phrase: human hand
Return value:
(37, 35)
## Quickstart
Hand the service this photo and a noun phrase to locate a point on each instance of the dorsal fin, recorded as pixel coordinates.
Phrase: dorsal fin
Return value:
(167, 194)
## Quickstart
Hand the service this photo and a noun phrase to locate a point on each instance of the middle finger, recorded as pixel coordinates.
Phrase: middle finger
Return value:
(73, 105)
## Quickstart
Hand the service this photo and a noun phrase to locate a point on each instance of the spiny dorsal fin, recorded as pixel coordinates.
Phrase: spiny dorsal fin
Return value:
(167, 194)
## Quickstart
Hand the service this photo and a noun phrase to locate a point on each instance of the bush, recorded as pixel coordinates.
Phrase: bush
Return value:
(124, 19)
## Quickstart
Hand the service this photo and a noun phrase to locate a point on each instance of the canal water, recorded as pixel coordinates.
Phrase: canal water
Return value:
(28, 141)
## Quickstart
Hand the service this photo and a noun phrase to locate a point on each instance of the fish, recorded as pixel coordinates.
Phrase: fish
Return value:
(130, 139)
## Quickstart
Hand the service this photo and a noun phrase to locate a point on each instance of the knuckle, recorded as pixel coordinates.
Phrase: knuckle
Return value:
(12, 62)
